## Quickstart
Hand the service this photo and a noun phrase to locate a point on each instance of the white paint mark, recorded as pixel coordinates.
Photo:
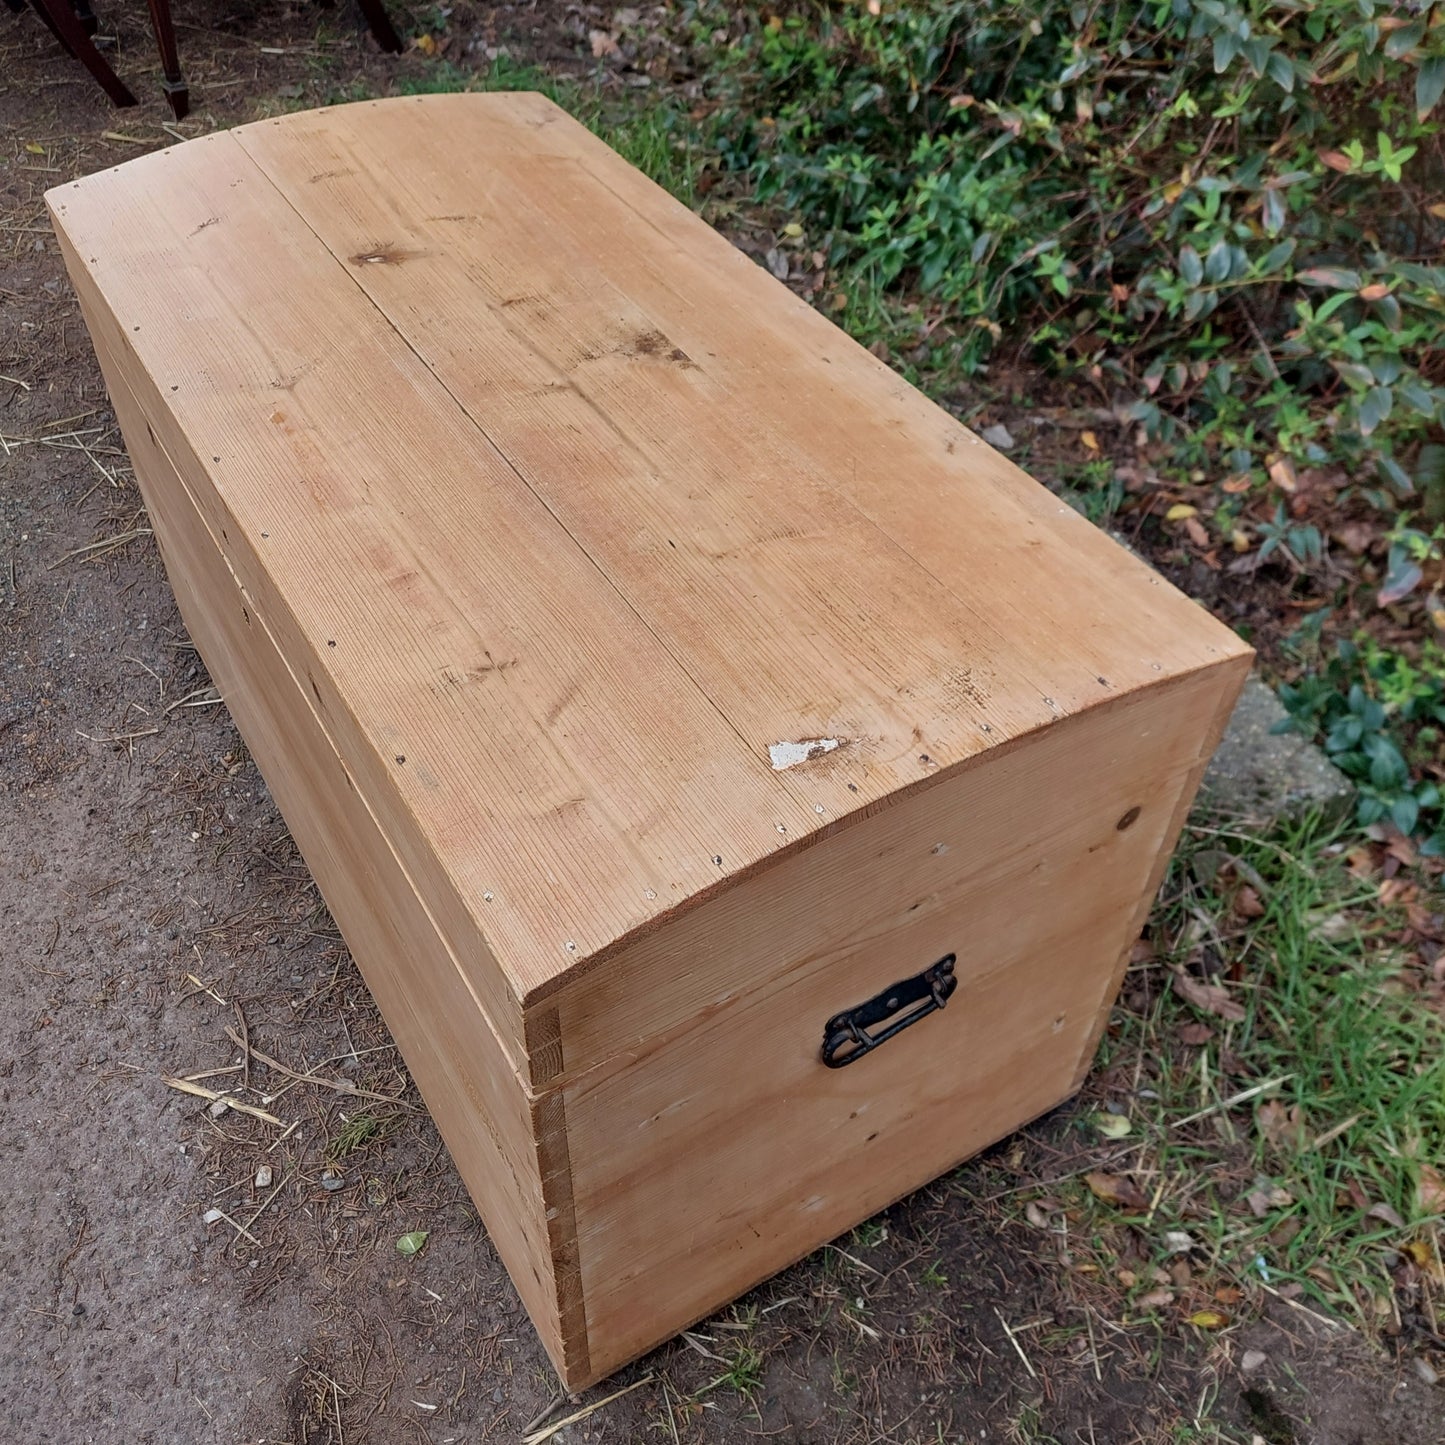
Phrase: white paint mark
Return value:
(940, 849)
(789, 755)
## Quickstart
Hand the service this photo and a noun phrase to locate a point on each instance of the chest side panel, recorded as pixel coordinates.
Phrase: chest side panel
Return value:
(711, 1152)
(460, 1066)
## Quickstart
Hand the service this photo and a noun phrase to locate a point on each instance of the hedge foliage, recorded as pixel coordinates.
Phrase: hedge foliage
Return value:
(1230, 212)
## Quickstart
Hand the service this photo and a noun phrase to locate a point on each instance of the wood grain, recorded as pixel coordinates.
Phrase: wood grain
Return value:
(714, 1149)
(646, 673)
(460, 1068)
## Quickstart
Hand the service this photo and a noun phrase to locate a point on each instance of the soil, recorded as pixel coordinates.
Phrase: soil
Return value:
(151, 901)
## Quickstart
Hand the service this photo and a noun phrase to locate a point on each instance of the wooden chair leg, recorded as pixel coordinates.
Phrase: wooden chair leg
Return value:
(174, 83)
(381, 26)
(62, 20)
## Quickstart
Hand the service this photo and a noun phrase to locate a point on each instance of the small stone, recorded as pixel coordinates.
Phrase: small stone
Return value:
(498, 1395)
(212, 1216)
(331, 1179)
(1252, 1361)
(77, 1309)
(219, 1108)
(999, 436)
(263, 1177)
(1427, 1371)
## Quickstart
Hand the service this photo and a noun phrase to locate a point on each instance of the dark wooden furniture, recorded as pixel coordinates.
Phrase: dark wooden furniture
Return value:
(73, 24)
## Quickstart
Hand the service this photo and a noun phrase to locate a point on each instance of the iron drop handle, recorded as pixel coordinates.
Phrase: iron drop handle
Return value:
(847, 1036)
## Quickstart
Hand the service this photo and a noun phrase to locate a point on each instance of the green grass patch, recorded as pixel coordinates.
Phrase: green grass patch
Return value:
(1275, 1088)
(356, 1133)
(653, 136)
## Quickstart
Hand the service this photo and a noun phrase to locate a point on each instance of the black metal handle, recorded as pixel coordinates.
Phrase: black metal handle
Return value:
(846, 1036)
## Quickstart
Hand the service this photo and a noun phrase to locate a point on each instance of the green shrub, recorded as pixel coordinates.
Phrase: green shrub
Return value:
(1229, 211)
(1381, 716)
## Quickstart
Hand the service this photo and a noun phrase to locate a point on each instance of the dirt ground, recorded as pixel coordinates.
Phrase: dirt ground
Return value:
(151, 904)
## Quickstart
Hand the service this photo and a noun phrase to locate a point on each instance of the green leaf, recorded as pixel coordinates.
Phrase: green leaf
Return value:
(1387, 766)
(1395, 474)
(1337, 276)
(1276, 257)
(1402, 577)
(1274, 212)
(1226, 47)
(1405, 813)
(1190, 266)
(1429, 84)
(1216, 265)
(1419, 396)
(410, 1244)
(1280, 70)
(1353, 373)
(1400, 43)
(1430, 466)
(1377, 405)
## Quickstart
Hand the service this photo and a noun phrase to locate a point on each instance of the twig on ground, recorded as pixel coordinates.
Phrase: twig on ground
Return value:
(342, 1086)
(201, 1092)
(1013, 1340)
(213, 1216)
(536, 1437)
(1230, 1102)
(94, 550)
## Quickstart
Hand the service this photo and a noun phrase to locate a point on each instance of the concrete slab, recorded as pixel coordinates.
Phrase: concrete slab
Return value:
(1261, 774)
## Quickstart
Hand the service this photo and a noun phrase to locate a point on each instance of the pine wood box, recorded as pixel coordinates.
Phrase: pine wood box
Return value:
(651, 678)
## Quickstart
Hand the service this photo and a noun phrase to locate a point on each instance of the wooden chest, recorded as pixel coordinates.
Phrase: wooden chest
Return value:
(670, 702)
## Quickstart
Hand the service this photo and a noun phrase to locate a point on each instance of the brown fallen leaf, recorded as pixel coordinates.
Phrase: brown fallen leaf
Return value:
(1425, 1259)
(1282, 473)
(1386, 1215)
(1354, 537)
(1156, 1299)
(1283, 1127)
(603, 44)
(1210, 998)
(1284, 1232)
(1267, 1198)
(1194, 1034)
(1118, 1190)
(1246, 902)
(1431, 1190)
